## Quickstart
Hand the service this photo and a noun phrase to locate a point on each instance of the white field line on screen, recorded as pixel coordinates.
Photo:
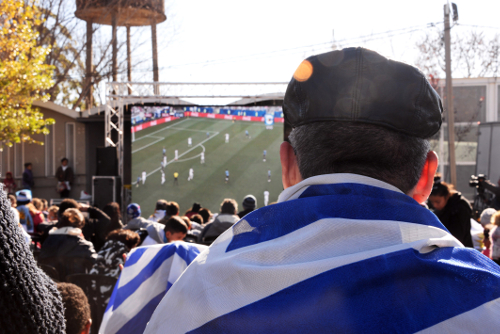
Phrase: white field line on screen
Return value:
(156, 141)
(167, 127)
(196, 156)
(184, 153)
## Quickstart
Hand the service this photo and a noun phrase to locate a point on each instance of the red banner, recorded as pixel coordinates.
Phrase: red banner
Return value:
(153, 123)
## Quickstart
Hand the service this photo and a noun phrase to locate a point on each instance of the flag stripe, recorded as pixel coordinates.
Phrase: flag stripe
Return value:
(138, 322)
(164, 254)
(349, 201)
(334, 301)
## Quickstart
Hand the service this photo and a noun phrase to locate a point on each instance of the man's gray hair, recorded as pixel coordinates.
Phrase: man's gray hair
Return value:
(365, 149)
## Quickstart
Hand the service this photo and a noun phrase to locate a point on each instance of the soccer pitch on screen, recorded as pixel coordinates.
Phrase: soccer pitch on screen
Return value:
(242, 156)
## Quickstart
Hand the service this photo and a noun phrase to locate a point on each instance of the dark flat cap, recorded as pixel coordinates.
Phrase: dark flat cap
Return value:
(359, 85)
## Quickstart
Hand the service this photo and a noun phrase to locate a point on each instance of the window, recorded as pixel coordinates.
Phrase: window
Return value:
(70, 144)
(49, 152)
(18, 160)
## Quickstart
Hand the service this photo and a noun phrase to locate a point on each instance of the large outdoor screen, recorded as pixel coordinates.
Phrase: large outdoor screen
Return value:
(198, 145)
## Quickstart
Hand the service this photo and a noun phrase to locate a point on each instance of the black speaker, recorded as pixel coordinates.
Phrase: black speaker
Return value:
(105, 189)
(107, 161)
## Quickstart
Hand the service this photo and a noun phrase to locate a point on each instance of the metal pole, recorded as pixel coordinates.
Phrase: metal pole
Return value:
(115, 46)
(129, 60)
(155, 54)
(449, 97)
(89, 65)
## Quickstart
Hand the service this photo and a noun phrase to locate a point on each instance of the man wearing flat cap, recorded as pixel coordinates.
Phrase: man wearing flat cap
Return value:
(348, 248)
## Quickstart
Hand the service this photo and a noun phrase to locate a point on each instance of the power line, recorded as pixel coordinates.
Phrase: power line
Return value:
(305, 48)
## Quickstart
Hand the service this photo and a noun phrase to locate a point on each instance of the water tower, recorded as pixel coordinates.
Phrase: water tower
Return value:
(124, 13)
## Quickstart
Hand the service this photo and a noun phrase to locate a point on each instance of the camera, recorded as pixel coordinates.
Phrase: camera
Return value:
(475, 181)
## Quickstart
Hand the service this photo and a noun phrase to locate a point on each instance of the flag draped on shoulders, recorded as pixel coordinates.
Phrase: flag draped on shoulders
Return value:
(339, 253)
(148, 274)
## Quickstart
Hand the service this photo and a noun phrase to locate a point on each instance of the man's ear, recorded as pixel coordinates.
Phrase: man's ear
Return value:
(424, 185)
(86, 329)
(290, 174)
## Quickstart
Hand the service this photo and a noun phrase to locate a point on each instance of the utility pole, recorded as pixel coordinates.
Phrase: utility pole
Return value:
(450, 115)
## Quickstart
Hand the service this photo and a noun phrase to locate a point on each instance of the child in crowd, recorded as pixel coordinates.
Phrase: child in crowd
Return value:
(110, 258)
(175, 229)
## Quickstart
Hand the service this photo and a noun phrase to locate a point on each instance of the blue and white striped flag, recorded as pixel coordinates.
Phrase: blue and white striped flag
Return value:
(148, 274)
(339, 253)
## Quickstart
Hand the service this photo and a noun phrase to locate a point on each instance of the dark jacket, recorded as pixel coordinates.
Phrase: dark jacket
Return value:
(67, 242)
(220, 224)
(97, 226)
(65, 175)
(456, 216)
(28, 181)
(243, 213)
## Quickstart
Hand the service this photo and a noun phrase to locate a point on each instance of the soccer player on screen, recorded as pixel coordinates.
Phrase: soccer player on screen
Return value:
(202, 158)
(227, 176)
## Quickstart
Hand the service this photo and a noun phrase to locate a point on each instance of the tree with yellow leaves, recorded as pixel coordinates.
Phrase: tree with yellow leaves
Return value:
(23, 73)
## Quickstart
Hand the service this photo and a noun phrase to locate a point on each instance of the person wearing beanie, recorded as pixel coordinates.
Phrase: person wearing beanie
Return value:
(29, 299)
(249, 204)
(135, 221)
(486, 215)
(23, 199)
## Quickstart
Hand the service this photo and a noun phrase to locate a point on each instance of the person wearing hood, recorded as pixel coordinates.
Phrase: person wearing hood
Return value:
(165, 231)
(453, 210)
(160, 210)
(65, 177)
(226, 219)
(249, 204)
(67, 240)
(9, 183)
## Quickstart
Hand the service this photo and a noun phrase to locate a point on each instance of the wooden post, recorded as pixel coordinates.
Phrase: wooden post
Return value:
(89, 70)
(129, 59)
(155, 54)
(115, 46)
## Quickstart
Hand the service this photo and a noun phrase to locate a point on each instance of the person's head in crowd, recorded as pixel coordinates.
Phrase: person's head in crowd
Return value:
(175, 228)
(249, 202)
(206, 214)
(112, 209)
(194, 209)
(13, 200)
(129, 238)
(197, 218)
(38, 204)
(28, 165)
(133, 211)
(229, 206)
(187, 221)
(172, 209)
(23, 197)
(441, 193)
(67, 203)
(8, 176)
(52, 213)
(45, 204)
(64, 162)
(72, 218)
(351, 126)
(486, 215)
(495, 219)
(77, 308)
(161, 204)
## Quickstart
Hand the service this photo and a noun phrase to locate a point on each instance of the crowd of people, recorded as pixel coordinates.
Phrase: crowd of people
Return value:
(350, 246)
